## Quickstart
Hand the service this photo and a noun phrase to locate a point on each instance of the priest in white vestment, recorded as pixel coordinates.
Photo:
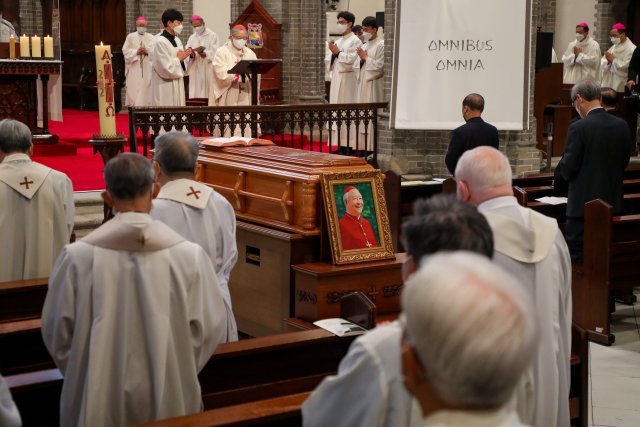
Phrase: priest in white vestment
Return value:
(369, 69)
(194, 210)
(133, 312)
(368, 389)
(340, 59)
(615, 62)
(530, 246)
(6, 29)
(231, 89)
(204, 44)
(167, 78)
(36, 208)
(582, 57)
(469, 334)
(9, 415)
(136, 59)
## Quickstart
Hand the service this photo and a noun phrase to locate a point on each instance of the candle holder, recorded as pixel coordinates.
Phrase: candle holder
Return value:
(108, 146)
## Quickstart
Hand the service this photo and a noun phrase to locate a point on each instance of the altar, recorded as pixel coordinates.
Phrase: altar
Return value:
(19, 95)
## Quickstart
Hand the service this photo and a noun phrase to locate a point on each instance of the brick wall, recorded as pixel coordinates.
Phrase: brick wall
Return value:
(608, 12)
(424, 151)
(303, 24)
(545, 12)
(30, 18)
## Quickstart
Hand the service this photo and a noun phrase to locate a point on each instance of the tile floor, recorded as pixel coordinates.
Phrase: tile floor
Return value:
(614, 374)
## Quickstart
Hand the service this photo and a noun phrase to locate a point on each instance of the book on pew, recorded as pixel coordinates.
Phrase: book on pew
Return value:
(340, 327)
(234, 141)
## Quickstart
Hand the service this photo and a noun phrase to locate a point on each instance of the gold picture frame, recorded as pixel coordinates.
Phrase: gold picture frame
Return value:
(357, 221)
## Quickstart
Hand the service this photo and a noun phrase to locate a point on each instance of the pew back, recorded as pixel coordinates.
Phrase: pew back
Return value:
(611, 263)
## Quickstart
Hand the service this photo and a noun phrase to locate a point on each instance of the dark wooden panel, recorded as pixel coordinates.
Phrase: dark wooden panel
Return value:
(84, 24)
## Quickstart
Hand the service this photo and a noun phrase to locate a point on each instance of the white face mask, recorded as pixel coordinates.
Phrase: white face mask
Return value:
(615, 40)
(239, 43)
(142, 30)
(342, 28)
(199, 30)
(177, 29)
(366, 36)
(580, 37)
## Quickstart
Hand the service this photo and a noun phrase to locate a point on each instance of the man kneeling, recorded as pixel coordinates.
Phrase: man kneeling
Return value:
(131, 315)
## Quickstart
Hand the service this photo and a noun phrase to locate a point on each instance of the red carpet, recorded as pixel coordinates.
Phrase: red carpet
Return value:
(74, 156)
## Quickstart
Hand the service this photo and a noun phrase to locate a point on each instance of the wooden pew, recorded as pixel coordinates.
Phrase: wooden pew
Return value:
(237, 373)
(282, 411)
(22, 299)
(22, 348)
(286, 411)
(611, 263)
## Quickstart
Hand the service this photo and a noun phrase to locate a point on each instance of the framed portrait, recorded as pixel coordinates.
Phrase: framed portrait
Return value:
(357, 218)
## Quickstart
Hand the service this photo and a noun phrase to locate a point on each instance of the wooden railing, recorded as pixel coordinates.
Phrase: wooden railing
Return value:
(299, 126)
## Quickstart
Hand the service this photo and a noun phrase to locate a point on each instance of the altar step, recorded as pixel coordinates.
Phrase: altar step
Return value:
(89, 212)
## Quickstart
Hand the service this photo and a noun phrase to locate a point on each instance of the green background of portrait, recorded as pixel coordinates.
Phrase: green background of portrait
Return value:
(368, 211)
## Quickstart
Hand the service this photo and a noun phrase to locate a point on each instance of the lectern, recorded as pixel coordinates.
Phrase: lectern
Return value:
(253, 67)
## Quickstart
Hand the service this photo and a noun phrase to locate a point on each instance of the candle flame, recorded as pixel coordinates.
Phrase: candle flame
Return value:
(101, 44)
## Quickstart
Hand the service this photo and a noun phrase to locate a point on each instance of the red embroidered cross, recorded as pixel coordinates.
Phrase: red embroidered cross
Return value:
(26, 183)
(194, 192)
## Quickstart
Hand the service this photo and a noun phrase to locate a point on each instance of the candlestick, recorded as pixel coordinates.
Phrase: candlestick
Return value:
(24, 46)
(106, 99)
(12, 47)
(48, 47)
(36, 47)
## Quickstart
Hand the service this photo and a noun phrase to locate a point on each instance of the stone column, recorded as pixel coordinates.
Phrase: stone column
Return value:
(423, 152)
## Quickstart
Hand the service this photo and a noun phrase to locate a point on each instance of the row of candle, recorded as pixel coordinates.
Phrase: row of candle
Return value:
(36, 47)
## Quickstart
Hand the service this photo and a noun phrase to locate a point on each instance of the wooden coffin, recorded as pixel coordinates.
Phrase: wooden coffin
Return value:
(273, 186)
(319, 286)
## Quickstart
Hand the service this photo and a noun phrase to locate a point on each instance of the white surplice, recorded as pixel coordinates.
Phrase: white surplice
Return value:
(200, 215)
(137, 69)
(499, 418)
(530, 246)
(200, 69)
(370, 86)
(130, 318)
(36, 217)
(228, 89)
(615, 75)
(368, 389)
(344, 85)
(9, 415)
(584, 66)
(167, 78)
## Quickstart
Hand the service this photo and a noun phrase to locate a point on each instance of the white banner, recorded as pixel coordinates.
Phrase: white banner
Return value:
(446, 49)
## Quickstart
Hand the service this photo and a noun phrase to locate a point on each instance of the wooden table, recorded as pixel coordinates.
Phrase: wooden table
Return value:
(19, 97)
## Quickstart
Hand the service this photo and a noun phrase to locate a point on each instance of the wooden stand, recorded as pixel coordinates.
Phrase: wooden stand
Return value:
(19, 98)
(319, 286)
(108, 149)
(261, 283)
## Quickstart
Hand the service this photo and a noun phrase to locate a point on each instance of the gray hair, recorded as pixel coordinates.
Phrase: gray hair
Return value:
(484, 168)
(236, 30)
(345, 196)
(443, 222)
(176, 152)
(589, 90)
(471, 328)
(15, 137)
(128, 176)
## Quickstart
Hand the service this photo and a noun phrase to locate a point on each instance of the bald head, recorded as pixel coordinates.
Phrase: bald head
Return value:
(474, 101)
(483, 173)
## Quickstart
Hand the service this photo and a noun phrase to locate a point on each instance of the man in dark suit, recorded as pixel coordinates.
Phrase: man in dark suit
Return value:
(474, 133)
(595, 157)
